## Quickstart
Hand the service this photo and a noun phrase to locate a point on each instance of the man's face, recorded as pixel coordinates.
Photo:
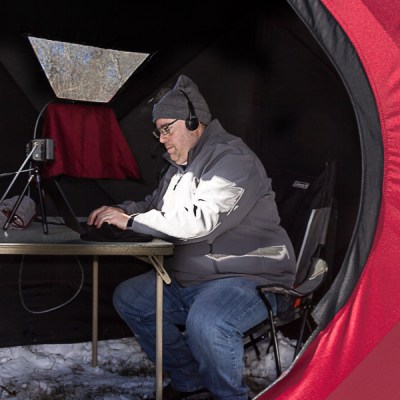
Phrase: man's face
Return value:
(179, 140)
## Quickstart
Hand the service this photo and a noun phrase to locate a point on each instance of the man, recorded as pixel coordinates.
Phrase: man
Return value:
(215, 203)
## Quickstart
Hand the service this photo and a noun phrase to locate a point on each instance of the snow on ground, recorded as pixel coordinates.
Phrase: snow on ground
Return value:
(64, 371)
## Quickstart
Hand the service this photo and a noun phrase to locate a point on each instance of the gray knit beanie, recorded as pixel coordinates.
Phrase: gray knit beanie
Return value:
(174, 104)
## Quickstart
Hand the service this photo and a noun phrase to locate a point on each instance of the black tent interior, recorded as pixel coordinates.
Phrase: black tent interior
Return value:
(265, 78)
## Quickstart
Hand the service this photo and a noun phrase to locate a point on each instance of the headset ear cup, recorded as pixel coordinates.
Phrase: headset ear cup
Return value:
(192, 123)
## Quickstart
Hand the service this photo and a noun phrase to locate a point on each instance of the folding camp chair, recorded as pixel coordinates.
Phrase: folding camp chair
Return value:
(306, 210)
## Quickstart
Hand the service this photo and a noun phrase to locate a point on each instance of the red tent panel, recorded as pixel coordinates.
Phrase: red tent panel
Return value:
(375, 377)
(355, 356)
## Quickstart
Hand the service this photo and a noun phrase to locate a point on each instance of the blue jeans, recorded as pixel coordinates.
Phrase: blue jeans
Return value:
(208, 352)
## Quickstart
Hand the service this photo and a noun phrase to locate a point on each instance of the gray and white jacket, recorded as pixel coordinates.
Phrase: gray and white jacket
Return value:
(220, 212)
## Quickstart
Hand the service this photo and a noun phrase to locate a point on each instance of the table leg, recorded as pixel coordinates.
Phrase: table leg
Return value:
(159, 339)
(95, 309)
(162, 277)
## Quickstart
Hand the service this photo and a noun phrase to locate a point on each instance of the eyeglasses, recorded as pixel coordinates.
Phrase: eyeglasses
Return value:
(163, 130)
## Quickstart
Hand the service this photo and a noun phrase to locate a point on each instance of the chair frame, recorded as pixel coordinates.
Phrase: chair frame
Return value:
(312, 271)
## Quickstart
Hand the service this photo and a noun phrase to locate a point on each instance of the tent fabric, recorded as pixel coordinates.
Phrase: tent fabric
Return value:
(345, 58)
(380, 384)
(290, 101)
(88, 143)
(339, 361)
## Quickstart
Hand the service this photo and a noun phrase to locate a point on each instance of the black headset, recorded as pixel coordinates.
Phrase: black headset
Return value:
(191, 122)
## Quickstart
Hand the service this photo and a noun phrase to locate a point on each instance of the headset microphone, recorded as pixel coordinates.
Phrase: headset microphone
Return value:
(191, 122)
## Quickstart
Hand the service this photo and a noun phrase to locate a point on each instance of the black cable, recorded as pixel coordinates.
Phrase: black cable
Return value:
(39, 116)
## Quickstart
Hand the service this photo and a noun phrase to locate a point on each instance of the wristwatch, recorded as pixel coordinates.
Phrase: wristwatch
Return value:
(130, 222)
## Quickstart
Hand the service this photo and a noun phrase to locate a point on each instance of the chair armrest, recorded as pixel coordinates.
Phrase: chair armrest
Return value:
(318, 270)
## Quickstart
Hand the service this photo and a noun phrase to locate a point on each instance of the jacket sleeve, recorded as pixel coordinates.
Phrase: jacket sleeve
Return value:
(195, 207)
(136, 207)
(152, 200)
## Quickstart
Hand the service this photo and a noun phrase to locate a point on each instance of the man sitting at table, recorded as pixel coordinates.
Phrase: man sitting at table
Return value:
(216, 204)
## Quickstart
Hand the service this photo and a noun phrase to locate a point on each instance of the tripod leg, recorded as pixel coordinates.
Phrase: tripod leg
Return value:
(41, 202)
(17, 203)
(18, 172)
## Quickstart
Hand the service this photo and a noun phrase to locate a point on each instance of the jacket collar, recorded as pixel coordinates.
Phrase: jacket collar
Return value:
(211, 130)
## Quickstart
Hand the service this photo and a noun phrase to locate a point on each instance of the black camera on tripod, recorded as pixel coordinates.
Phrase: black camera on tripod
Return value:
(41, 150)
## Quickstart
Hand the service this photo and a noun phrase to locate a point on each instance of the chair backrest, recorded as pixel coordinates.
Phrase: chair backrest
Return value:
(305, 206)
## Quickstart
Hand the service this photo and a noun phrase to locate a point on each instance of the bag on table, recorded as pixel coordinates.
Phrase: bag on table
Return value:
(24, 214)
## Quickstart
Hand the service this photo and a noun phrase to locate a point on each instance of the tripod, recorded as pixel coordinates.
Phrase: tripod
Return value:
(32, 176)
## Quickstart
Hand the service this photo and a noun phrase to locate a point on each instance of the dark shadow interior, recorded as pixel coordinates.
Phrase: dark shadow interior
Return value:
(265, 78)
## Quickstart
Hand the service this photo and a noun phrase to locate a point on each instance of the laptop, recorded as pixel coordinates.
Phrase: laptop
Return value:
(54, 190)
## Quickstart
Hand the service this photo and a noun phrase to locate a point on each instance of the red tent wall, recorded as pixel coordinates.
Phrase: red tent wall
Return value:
(354, 356)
